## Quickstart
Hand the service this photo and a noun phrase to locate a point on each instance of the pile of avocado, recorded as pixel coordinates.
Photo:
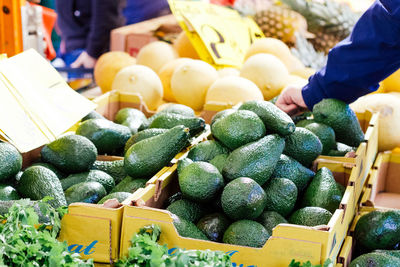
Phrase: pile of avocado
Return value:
(69, 172)
(253, 174)
(377, 239)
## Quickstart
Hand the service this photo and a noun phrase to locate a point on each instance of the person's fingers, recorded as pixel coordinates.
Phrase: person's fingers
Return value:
(77, 63)
(289, 109)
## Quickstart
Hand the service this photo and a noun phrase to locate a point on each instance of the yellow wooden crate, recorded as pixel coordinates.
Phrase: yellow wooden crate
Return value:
(287, 242)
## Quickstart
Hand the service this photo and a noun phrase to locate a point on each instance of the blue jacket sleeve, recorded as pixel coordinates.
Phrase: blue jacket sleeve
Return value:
(357, 64)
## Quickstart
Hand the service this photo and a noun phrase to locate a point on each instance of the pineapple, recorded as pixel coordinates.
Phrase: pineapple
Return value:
(307, 54)
(277, 21)
(330, 21)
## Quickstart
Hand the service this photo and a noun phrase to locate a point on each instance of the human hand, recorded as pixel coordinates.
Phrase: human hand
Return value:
(291, 100)
(84, 60)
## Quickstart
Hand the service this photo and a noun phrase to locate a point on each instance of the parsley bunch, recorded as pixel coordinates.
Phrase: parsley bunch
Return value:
(146, 252)
(25, 242)
(327, 263)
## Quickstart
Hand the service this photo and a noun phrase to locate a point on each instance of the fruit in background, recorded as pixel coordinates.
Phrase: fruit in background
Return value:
(233, 90)
(8, 193)
(186, 209)
(167, 120)
(70, 153)
(132, 118)
(376, 259)
(281, 195)
(310, 216)
(92, 176)
(296, 81)
(304, 73)
(207, 150)
(270, 219)
(178, 109)
(338, 115)
(142, 80)
(93, 115)
(267, 72)
(325, 134)
(188, 229)
(155, 55)
(219, 161)
(129, 185)
(165, 74)
(182, 164)
(246, 233)
(392, 83)
(228, 72)
(114, 168)
(238, 129)
(11, 161)
(221, 114)
(243, 198)
(191, 81)
(184, 47)
(108, 65)
(107, 136)
(276, 48)
(120, 196)
(214, 226)
(87, 192)
(143, 135)
(388, 107)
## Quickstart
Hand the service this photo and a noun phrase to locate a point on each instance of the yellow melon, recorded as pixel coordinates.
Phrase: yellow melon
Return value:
(228, 72)
(155, 55)
(142, 80)
(304, 73)
(184, 47)
(233, 90)
(267, 72)
(163, 106)
(392, 83)
(191, 81)
(165, 75)
(296, 80)
(274, 47)
(108, 65)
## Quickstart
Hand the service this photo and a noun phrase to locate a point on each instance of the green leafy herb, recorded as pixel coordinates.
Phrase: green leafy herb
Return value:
(327, 263)
(25, 242)
(146, 252)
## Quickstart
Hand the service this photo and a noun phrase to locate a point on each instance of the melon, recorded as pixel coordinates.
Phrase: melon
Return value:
(108, 65)
(388, 106)
(233, 90)
(184, 47)
(142, 80)
(304, 73)
(277, 48)
(191, 81)
(228, 72)
(392, 83)
(296, 81)
(165, 75)
(155, 55)
(267, 72)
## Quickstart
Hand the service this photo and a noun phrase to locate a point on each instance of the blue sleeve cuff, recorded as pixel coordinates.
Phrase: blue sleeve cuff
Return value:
(312, 92)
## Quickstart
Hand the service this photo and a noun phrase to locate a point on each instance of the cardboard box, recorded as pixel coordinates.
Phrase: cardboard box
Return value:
(133, 37)
(287, 242)
(383, 188)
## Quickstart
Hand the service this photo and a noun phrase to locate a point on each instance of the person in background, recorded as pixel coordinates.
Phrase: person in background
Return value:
(85, 27)
(140, 10)
(357, 64)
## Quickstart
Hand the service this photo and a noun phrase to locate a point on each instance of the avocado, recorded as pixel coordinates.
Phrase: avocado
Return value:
(246, 233)
(325, 134)
(270, 219)
(275, 120)
(341, 188)
(323, 192)
(129, 185)
(183, 163)
(175, 197)
(375, 260)
(303, 146)
(130, 117)
(120, 196)
(301, 117)
(255, 160)
(221, 114)
(91, 176)
(393, 253)
(378, 230)
(310, 216)
(8, 193)
(87, 192)
(114, 168)
(239, 128)
(107, 136)
(219, 161)
(142, 135)
(281, 195)
(188, 229)
(52, 168)
(214, 226)
(186, 209)
(200, 181)
(11, 161)
(170, 120)
(17, 178)
(341, 150)
(304, 123)
(93, 115)
(243, 198)
(206, 151)
(70, 153)
(293, 170)
(179, 109)
(38, 182)
(147, 157)
(338, 115)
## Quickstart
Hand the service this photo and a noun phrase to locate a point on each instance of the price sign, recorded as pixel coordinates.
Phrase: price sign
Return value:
(220, 35)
